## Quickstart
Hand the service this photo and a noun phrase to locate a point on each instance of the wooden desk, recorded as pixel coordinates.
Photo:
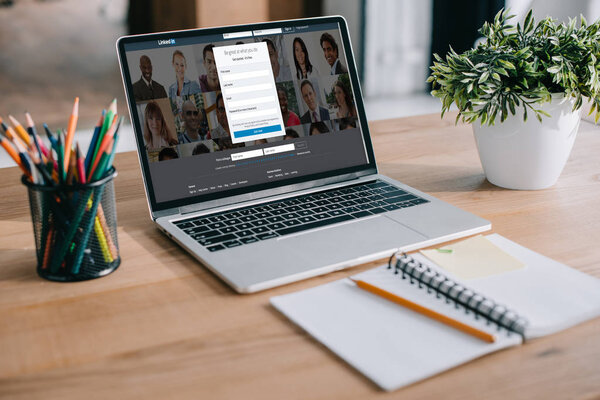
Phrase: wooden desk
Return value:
(163, 327)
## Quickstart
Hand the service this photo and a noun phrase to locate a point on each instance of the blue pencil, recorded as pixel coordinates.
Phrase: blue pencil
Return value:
(51, 138)
(60, 156)
(92, 146)
(114, 149)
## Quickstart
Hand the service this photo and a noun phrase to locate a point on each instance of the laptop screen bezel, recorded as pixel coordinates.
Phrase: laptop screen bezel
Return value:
(368, 168)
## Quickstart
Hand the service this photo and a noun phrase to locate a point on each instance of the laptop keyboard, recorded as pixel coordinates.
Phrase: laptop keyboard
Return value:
(247, 225)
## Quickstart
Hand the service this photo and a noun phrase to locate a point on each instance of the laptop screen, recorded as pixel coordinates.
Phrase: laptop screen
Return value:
(231, 111)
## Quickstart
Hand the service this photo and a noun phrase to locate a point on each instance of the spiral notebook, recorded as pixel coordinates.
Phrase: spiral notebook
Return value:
(394, 346)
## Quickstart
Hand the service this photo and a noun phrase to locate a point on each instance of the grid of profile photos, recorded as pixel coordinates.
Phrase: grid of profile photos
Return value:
(181, 108)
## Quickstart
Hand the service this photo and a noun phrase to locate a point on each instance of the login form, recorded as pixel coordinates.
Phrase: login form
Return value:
(249, 92)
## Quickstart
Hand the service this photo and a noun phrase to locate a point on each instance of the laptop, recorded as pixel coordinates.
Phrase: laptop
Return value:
(256, 155)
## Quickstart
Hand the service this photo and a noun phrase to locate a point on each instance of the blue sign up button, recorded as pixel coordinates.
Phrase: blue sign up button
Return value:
(257, 131)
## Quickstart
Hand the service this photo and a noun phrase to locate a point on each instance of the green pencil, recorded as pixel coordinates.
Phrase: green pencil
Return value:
(108, 118)
(101, 168)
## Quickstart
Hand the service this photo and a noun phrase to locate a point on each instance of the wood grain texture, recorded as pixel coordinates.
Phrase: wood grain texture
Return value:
(162, 326)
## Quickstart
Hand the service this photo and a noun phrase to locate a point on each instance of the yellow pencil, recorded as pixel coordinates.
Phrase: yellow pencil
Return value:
(20, 130)
(479, 334)
(13, 137)
(111, 245)
(102, 241)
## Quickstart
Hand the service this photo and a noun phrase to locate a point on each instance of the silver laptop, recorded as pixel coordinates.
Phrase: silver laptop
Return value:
(256, 155)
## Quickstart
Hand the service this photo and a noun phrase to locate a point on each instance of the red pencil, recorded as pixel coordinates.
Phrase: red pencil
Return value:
(80, 166)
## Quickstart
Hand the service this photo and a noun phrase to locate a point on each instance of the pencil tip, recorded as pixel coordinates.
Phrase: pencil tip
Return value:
(29, 120)
(113, 106)
(76, 106)
(13, 121)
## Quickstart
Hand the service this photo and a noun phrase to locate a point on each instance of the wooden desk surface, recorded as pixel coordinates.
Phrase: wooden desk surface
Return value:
(162, 326)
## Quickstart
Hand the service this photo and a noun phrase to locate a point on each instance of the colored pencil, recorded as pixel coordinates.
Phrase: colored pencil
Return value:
(72, 168)
(102, 241)
(108, 120)
(80, 166)
(51, 167)
(101, 169)
(11, 135)
(60, 158)
(71, 132)
(4, 142)
(49, 133)
(47, 247)
(102, 148)
(109, 164)
(20, 130)
(92, 146)
(111, 245)
(39, 144)
(53, 144)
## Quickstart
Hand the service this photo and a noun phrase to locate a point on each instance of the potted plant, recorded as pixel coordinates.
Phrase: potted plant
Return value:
(545, 70)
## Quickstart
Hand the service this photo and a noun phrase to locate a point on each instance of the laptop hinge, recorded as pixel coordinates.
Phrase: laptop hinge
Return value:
(166, 213)
(287, 190)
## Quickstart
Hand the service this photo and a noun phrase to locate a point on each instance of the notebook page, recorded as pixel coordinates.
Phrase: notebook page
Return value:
(550, 295)
(391, 345)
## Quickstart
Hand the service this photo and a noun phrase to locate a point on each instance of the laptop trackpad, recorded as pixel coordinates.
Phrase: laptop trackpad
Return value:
(352, 240)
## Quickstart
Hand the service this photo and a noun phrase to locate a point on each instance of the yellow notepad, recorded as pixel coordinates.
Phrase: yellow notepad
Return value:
(472, 258)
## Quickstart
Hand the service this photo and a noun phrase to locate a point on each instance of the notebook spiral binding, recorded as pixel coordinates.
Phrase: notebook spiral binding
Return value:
(471, 301)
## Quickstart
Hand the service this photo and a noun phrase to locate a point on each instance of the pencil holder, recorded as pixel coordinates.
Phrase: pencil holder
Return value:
(75, 228)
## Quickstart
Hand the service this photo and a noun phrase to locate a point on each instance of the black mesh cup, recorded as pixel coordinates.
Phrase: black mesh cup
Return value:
(75, 229)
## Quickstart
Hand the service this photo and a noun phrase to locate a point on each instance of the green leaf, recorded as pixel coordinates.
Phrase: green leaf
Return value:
(544, 113)
(522, 52)
(528, 23)
(502, 71)
(506, 64)
(484, 77)
(511, 105)
(554, 69)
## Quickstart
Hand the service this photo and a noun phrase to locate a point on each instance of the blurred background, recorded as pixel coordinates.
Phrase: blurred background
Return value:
(54, 50)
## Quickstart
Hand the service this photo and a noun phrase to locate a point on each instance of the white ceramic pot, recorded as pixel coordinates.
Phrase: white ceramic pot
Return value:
(528, 155)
